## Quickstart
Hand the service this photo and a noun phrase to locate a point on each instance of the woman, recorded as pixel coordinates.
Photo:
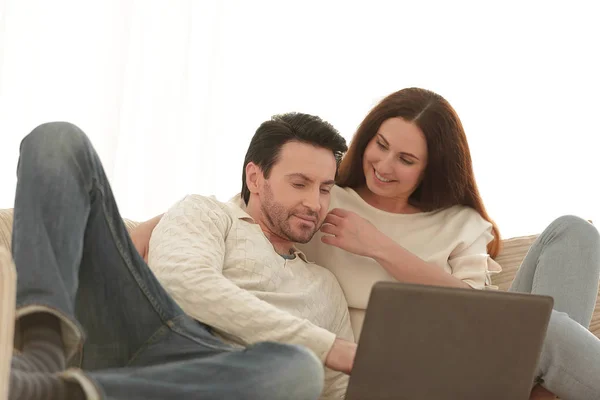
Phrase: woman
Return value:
(407, 208)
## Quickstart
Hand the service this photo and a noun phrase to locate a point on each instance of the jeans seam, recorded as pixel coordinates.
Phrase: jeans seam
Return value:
(157, 334)
(172, 325)
(127, 259)
(535, 277)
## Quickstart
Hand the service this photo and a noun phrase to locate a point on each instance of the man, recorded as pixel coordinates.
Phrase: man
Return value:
(234, 266)
(86, 297)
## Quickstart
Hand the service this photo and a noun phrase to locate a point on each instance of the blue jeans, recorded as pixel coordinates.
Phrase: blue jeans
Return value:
(564, 263)
(75, 259)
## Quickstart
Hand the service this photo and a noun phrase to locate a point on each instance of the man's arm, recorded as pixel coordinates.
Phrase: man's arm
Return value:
(187, 251)
(342, 354)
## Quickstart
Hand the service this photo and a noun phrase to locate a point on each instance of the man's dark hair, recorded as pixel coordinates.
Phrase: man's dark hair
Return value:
(265, 146)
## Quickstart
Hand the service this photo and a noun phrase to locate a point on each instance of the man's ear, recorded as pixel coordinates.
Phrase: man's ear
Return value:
(254, 177)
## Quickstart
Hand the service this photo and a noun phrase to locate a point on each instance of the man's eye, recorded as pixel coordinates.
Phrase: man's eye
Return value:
(325, 191)
(298, 185)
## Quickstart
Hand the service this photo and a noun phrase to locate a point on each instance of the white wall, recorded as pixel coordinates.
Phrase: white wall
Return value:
(170, 92)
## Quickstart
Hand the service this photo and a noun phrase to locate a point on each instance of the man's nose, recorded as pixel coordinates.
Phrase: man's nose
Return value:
(313, 201)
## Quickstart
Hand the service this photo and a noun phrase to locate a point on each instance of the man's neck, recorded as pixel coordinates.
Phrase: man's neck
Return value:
(282, 246)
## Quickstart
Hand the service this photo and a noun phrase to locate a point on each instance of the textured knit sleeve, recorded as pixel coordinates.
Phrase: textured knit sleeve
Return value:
(470, 261)
(187, 251)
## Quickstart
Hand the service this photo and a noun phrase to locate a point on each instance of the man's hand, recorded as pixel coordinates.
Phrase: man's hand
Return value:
(539, 393)
(341, 356)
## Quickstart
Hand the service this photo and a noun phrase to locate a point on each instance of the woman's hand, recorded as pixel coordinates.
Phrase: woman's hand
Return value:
(350, 232)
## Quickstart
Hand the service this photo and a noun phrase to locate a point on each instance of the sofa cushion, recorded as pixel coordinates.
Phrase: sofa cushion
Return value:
(5, 227)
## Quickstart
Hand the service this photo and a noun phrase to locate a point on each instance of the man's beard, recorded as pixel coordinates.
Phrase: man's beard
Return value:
(278, 219)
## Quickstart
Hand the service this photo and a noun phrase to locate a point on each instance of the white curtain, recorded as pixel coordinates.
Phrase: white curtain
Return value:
(170, 92)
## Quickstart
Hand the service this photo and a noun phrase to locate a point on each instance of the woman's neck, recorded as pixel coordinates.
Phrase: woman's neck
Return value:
(397, 205)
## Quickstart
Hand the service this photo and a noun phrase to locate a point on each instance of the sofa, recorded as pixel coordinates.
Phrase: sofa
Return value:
(512, 254)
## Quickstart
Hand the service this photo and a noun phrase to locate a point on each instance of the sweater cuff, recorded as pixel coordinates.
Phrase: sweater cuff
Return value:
(320, 341)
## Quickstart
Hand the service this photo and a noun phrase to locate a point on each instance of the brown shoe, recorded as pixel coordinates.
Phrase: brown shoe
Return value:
(8, 287)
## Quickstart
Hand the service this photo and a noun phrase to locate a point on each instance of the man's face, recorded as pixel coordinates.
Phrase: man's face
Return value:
(294, 200)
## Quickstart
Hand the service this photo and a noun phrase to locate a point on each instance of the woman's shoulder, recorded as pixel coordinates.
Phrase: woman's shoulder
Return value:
(463, 216)
(460, 211)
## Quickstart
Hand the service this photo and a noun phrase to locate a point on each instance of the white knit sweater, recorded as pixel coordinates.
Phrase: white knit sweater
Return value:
(217, 264)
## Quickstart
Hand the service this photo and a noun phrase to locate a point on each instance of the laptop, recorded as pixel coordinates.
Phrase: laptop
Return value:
(424, 342)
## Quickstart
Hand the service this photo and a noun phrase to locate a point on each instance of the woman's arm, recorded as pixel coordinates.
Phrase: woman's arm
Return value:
(140, 235)
(352, 233)
(407, 267)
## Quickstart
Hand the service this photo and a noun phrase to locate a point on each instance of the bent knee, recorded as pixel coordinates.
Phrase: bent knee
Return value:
(53, 140)
(54, 133)
(576, 227)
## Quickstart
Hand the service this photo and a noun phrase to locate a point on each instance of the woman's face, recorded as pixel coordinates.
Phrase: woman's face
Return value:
(395, 159)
